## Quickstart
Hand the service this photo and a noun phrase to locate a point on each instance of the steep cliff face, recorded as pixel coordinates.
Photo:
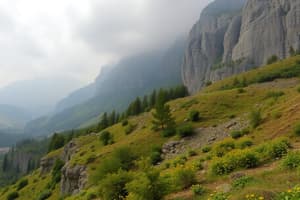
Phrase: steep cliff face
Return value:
(234, 36)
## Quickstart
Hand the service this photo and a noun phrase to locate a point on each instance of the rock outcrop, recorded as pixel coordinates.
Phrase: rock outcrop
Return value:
(73, 179)
(233, 36)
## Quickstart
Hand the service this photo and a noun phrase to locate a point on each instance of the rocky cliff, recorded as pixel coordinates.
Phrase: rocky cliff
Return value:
(233, 36)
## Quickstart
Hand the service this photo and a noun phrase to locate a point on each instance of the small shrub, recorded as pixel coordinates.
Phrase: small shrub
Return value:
(274, 94)
(198, 189)
(194, 116)
(298, 89)
(290, 194)
(180, 161)
(297, 129)
(90, 159)
(219, 196)
(236, 134)
(192, 153)
(125, 122)
(23, 183)
(292, 160)
(12, 196)
(91, 196)
(242, 182)
(106, 138)
(129, 129)
(255, 118)
(45, 195)
(155, 155)
(185, 131)
(277, 149)
(245, 143)
(184, 178)
(206, 149)
(224, 147)
(169, 132)
(114, 186)
(198, 165)
(234, 160)
(241, 90)
(272, 59)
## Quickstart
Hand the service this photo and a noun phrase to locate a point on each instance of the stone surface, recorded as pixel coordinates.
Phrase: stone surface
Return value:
(233, 36)
(73, 179)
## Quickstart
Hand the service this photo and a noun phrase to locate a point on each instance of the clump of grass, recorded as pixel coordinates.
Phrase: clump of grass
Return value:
(297, 129)
(255, 118)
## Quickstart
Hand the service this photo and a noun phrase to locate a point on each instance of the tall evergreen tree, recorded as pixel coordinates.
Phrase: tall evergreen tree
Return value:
(152, 99)
(112, 118)
(145, 103)
(162, 118)
(104, 123)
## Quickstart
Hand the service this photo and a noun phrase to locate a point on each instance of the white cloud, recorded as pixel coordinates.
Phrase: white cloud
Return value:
(74, 38)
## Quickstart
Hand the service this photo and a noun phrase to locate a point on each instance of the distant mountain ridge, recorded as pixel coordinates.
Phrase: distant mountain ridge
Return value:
(114, 89)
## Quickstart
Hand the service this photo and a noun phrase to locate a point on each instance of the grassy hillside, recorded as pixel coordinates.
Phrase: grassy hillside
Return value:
(245, 146)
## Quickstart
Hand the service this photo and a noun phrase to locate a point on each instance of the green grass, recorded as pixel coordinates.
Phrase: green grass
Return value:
(280, 112)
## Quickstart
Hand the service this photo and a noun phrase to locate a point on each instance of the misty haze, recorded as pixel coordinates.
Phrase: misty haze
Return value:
(149, 99)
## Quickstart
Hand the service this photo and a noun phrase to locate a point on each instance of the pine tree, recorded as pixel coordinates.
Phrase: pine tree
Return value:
(103, 124)
(112, 118)
(152, 99)
(57, 141)
(5, 163)
(145, 103)
(162, 115)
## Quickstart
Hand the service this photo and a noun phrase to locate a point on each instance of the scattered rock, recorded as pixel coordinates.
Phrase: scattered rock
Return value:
(238, 175)
(224, 188)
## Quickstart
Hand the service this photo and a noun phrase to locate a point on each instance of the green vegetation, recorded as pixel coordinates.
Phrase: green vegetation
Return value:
(194, 116)
(185, 130)
(272, 59)
(12, 196)
(184, 178)
(22, 184)
(255, 118)
(106, 138)
(291, 161)
(57, 141)
(244, 165)
(297, 129)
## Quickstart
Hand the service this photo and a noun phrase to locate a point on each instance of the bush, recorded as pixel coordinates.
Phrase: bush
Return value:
(129, 129)
(242, 182)
(184, 178)
(122, 158)
(255, 118)
(291, 194)
(124, 122)
(114, 186)
(224, 147)
(192, 153)
(45, 195)
(236, 134)
(292, 160)
(185, 131)
(169, 132)
(272, 59)
(198, 165)
(148, 185)
(12, 196)
(274, 94)
(298, 89)
(23, 183)
(56, 172)
(206, 149)
(106, 138)
(198, 189)
(278, 148)
(234, 160)
(194, 116)
(91, 196)
(297, 129)
(244, 143)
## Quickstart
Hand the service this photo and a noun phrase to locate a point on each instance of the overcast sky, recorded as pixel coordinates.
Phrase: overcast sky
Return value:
(74, 38)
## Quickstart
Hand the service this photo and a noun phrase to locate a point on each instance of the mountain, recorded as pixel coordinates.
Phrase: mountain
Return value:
(47, 92)
(114, 89)
(13, 119)
(233, 36)
(244, 146)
